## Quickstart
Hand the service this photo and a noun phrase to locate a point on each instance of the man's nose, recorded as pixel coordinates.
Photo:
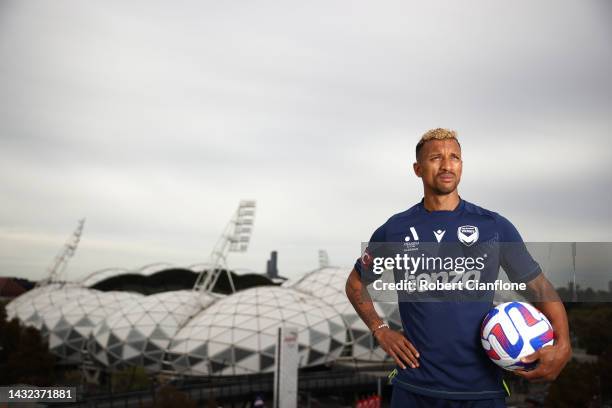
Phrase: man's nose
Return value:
(445, 164)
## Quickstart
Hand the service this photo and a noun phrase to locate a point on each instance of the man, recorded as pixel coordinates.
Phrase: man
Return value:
(440, 358)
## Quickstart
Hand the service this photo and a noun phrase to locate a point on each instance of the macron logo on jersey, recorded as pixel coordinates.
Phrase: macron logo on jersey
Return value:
(439, 234)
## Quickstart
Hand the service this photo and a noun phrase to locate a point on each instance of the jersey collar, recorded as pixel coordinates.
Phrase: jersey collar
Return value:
(457, 209)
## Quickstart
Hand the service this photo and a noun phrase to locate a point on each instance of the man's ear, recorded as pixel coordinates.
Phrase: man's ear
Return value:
(417, 168)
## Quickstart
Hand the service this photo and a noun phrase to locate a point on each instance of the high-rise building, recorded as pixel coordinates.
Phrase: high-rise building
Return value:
(272, 266)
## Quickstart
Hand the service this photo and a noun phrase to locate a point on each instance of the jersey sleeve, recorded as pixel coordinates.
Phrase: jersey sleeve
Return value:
(363, 265)
(516, 260)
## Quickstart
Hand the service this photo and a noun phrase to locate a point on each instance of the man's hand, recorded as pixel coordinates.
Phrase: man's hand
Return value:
(552, 359)
(397, 346)
(393, 342)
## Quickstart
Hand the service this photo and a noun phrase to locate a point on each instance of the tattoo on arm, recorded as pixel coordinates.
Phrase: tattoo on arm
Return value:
(359, 297)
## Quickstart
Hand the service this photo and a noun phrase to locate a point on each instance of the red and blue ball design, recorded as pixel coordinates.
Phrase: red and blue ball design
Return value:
(513, 330)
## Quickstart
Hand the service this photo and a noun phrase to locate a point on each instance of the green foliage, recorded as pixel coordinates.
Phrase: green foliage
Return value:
(130, 379)
(583, 295)
(24, 356)
(592, 324)
(71, 378)
(605, 373)
(575, 387)
(170, 397)
(582, 383)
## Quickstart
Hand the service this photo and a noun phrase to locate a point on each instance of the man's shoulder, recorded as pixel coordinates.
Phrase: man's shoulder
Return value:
(502, 224)
(472, 208)
(394, 221)
(406, 214)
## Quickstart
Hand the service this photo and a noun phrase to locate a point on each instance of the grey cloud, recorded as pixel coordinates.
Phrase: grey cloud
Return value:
(155, 119)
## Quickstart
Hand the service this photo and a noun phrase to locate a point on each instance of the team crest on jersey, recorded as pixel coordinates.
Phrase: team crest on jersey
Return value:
(467, 234)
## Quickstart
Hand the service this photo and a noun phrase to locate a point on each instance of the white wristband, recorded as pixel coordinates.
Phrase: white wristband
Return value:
(380, 326)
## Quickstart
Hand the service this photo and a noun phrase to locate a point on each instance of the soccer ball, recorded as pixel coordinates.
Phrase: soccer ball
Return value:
(512, 331)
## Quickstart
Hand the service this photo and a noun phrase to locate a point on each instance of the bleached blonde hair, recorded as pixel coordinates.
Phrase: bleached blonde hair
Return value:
(436, 134)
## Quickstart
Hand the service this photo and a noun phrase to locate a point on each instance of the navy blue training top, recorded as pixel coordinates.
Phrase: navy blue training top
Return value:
(452, 363)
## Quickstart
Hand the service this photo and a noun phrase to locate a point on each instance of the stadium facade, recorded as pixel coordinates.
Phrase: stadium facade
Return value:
(110, 321)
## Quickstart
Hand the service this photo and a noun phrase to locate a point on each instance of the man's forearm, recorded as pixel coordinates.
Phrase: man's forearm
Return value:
(547, 300)
(555, 312)
(360, 299)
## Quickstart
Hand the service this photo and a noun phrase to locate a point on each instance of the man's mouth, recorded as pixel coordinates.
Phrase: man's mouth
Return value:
(446, 176)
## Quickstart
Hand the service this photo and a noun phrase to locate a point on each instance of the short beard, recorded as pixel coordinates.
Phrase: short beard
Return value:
(446, 191)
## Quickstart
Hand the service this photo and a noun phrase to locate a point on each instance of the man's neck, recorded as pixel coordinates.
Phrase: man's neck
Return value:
(447, 202)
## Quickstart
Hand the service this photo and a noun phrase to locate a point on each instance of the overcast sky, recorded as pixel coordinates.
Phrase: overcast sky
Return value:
(153, 119)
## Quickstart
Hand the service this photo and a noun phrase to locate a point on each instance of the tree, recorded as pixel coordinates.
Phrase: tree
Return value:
(24, 355)
(130, 379)
(575, 387)
(605, 373)
(592, 324)
(170, 397)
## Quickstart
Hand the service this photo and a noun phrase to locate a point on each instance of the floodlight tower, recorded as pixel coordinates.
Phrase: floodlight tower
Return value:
(56, 269)
(323, 258)
(235, 238)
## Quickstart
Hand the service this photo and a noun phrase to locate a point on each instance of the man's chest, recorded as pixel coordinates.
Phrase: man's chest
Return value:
(465, 231)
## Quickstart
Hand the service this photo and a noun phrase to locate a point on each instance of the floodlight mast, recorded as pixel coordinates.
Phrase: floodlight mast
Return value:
(323, 258)
(57, 268)
(235, 238)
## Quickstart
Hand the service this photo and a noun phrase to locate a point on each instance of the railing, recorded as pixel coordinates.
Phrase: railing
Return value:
(241, 387)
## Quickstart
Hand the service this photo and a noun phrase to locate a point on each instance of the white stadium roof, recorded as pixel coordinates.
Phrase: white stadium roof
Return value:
(69, 326)
(198, 333)
(237, 335)
(328, 285)
(139, 333)
(32, 306)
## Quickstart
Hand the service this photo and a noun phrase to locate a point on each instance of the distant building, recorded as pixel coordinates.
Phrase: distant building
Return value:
(272, 266)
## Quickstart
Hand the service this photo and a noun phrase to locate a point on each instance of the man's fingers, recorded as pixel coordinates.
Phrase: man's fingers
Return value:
(400, 349)
(531, 358)
(406, 355)
(397, 360)
(530, 375)
(522, 373)
(411, 347)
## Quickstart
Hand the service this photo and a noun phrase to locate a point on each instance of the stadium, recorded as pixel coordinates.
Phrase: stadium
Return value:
(210, 331)
(198, 321)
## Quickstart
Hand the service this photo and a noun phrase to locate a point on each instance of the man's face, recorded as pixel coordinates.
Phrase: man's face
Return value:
(439, 166)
